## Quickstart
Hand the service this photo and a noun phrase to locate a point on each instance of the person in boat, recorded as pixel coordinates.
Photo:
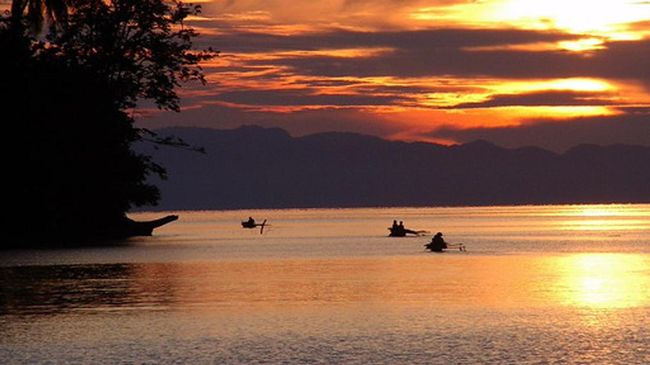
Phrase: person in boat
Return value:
(437, 243)
(250, 223)
(403, 230)
(397, 230)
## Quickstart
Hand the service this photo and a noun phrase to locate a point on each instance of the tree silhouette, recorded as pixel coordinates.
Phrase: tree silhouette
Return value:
(34, 12)
(141, 48)
(75, 175)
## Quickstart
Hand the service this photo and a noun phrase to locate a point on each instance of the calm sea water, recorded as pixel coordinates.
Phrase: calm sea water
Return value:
(537, 285)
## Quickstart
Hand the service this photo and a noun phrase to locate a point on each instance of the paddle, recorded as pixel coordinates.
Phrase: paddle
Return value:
(461, 246)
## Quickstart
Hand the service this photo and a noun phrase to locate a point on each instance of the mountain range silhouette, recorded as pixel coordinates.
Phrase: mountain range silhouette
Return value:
(254, 167)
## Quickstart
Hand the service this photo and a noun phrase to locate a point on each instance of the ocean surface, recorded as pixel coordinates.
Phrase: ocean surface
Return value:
(537, 285)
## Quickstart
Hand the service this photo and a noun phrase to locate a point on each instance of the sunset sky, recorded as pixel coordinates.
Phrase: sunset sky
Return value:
(551, 73)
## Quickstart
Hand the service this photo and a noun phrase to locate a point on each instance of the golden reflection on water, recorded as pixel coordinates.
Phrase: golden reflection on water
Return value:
(603, 280)
(594, 280)
(614, 217)
(604, 225)
(452, 281)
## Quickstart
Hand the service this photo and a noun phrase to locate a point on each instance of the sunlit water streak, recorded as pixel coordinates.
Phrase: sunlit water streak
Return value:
(564, 284)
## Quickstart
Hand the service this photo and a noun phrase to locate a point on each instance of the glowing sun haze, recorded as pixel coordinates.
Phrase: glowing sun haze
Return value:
(551, 73)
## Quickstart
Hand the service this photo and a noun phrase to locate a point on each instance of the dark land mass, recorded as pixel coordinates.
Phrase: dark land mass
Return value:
(253, 167)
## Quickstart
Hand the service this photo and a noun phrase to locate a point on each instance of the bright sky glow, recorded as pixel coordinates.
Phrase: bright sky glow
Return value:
(603, 17)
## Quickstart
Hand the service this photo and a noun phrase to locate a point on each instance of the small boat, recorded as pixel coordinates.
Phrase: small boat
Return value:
(434, 248)
(247, 224)
(251, 224)
(402, 232)
(135, 228)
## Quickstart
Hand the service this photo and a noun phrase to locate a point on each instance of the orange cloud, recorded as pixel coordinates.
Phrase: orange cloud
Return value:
(402, 69)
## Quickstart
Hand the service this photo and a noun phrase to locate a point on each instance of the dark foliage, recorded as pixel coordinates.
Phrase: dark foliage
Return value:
(66, 112)
(34, 13)
(140, 48)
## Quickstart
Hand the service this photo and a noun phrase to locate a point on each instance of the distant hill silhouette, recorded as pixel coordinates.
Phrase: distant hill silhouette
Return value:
(254, 167)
